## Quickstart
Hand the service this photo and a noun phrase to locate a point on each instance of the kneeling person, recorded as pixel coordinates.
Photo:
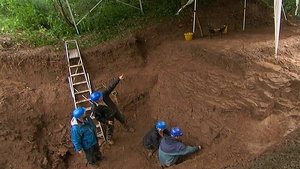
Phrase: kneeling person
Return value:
(171, 148)
(153, 137)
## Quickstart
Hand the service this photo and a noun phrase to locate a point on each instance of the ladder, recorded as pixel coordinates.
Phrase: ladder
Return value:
(79, 82)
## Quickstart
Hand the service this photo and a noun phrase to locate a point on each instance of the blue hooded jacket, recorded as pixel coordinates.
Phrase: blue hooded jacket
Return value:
(171, 149)
(83, 135)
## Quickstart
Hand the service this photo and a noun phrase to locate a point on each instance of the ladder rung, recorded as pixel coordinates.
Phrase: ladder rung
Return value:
(92, 115)
(82, 101)
(79, 83)
(80, 92)
(100, 135)
(77, 74)
(76, 65)
(73, 54)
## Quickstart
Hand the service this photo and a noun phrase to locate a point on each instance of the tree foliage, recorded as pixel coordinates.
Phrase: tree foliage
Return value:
(289, 5)
(48, 21)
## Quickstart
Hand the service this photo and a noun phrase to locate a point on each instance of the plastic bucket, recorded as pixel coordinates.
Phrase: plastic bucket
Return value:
(188, 36)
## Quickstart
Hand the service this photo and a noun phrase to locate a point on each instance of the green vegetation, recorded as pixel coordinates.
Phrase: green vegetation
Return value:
(289, 5)
(32, 21)
(43, 22)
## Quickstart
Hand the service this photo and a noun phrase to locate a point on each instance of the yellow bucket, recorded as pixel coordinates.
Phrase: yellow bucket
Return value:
(225, 30)
(188, 36)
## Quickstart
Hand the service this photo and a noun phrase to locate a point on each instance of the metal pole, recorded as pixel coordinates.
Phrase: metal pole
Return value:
(284, 13)
(277, 19)
(89, 12)
(141, 6)
(244, 21)
(297, 6)
(194, 21)
(72, 16)
(124, 3)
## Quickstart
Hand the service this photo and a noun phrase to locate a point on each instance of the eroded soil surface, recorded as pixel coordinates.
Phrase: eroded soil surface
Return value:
(228, 94)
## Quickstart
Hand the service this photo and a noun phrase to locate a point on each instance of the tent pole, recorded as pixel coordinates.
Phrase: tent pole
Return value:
(88, 12)
(141, 6)
(194, 21)
(297, 6)
(244, 21)
(284, 13)
(277, 19)
(72, 16)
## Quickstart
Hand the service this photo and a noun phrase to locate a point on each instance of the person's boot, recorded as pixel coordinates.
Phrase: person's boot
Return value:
(110, 141)
(109, 134)
(128, 129)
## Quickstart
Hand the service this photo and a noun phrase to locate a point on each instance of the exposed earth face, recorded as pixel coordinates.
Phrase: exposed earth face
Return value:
(228, 94)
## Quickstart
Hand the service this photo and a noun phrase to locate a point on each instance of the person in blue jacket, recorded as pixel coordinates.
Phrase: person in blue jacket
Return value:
(171, 148)
(84, 137)
(152, 139)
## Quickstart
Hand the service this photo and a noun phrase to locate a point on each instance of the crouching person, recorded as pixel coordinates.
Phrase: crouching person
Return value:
(171, 149)
(153, 137)
(84, 137)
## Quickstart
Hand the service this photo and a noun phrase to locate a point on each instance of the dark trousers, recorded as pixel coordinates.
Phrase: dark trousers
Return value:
(110, 126)
(93, 154)
(149, 147)
(110, 130)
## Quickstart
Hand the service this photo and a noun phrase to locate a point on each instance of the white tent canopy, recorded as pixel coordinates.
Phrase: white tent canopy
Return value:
(277, 17)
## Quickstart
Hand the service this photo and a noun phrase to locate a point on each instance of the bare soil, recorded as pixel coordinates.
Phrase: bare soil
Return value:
(228, 94)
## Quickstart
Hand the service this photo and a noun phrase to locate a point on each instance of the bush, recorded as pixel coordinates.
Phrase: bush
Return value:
(48, 21)
(34, 21)
(40, 21)
(289, 5)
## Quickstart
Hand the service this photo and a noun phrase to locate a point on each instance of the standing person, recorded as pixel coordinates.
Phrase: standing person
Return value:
(171, 148)
(107, 114)
(153, 137)
(84, 137)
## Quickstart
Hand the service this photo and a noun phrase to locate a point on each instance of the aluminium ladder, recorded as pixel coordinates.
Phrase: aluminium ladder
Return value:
(79, 82)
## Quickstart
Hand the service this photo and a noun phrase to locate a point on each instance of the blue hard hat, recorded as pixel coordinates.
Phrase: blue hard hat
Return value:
(161, 125)
(79, 112)
(176, 132)
(96, 96)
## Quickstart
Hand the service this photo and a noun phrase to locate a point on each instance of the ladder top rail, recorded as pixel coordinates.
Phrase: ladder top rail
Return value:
(69, 41)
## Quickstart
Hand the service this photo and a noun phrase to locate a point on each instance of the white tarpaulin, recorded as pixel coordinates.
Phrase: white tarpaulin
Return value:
(188, 3)
(277, 17)
(297, 6)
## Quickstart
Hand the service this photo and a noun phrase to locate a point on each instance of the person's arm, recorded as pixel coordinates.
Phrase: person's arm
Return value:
(76, 139)
(155, 139)
(92, 123)
(114, 82)
(167, 132)
(93, 127)
(187, 150)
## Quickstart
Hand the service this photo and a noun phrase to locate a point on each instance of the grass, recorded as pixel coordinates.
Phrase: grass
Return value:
(41, 23)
